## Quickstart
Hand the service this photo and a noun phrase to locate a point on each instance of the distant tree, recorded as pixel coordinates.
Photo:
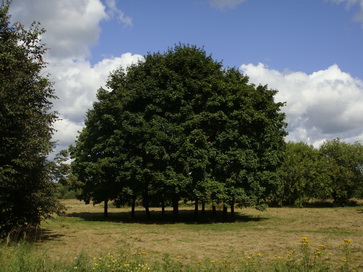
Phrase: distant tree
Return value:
(304, 174)
(61, 168)
(26, 191)
(62, 176)
(345, 163)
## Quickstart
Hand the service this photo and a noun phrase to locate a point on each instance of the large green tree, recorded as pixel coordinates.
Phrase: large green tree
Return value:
(26, 190)
(187, 128)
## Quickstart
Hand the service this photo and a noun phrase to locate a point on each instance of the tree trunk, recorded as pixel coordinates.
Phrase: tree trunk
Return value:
(214, 210)
(147, 210)
(105, 208)
(203, 207)
(232, 208)
(175, 206)
(225, 212)
(146, 204)
(196, 209)
(133, 206)
(163, 207)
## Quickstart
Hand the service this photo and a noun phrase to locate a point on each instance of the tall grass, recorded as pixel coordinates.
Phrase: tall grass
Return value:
(21, 257)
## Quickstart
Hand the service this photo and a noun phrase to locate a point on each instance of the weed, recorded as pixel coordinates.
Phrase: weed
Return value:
(308, 258)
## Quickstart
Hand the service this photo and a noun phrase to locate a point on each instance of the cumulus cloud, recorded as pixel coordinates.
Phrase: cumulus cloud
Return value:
(72, 26)
(66, 132)
(222, 4)
(323, 105)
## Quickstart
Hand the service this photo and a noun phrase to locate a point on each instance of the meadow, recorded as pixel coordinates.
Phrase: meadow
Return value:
(318, 238)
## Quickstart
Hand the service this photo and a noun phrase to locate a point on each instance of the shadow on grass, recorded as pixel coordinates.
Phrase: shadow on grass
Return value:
(156, 217)
(48, 235)
(31, 235)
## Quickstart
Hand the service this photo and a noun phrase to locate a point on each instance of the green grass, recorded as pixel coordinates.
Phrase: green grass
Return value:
(22, 257)
(74, 240)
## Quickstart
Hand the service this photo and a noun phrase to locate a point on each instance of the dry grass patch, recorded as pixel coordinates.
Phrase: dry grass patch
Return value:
(272, 232)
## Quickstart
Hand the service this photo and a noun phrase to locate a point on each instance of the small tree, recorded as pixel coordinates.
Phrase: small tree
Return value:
(26, 191)
(304, 174)
(345, 169)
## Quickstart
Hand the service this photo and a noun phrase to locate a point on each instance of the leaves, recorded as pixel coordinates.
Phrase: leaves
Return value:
(26, 191)
(181, 126)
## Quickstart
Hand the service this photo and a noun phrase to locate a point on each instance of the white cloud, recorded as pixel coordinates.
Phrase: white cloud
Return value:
(222, 4)
(76, 85)
(66, 132)
(322, 105)
(72, 26)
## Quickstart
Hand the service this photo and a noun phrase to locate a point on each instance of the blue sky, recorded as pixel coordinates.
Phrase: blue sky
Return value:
(309, 50)
(300, 35)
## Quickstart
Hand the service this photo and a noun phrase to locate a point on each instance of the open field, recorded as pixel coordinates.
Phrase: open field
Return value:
(272, 232)
(279, 239)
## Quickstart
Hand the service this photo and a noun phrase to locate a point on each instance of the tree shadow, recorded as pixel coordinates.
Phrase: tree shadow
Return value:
(156, 217)
(33, 235)
(49, 235)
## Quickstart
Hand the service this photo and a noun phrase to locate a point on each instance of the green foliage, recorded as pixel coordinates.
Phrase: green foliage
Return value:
(180, 126)
(96, 153)
(26, 192)
(334, 171)
(345, 163)
(303, 175)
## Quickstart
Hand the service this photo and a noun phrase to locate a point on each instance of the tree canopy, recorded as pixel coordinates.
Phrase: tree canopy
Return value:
(345, 163)
(180, 126)
(26, 191)
(332, 171)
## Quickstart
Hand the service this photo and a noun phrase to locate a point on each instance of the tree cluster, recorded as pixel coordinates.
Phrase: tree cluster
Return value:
(180, 126)
(333, 171)
(26, 190)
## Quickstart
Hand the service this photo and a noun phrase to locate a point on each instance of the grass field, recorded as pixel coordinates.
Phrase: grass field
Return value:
(272, 233)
